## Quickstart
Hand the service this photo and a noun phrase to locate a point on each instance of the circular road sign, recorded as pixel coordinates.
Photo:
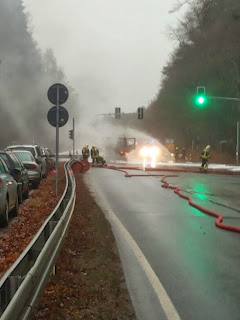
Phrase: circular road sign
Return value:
(52, 93)
(63, 116)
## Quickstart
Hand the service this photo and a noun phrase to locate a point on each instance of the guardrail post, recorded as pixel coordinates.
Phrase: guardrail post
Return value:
(49, 229)
(4, 296)
(8, 291)
(15, 282)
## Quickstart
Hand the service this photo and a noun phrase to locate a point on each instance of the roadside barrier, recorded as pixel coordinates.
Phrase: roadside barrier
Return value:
(22, 284)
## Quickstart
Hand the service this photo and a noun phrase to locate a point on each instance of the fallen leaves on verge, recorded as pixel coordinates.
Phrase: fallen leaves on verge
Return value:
(32, 213)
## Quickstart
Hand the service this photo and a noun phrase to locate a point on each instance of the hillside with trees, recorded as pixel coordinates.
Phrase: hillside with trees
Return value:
(26, 73)
(208, 54)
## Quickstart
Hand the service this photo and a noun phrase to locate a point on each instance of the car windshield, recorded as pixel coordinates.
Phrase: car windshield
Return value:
(25, 148)
(24, 156)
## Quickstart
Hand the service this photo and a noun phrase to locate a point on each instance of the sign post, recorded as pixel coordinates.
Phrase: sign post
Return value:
(57, 94)
(57, 138)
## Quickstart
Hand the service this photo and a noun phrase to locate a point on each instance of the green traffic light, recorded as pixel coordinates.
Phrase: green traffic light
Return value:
(200, 100)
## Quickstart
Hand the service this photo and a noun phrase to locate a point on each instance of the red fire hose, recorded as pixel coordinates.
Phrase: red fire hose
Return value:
(80, 166)
(218, 222)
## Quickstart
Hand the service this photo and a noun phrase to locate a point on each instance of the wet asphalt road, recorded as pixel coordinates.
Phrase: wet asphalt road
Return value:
(197, 263)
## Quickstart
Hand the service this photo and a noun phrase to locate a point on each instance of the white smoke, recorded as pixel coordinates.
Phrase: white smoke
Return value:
(104, 132)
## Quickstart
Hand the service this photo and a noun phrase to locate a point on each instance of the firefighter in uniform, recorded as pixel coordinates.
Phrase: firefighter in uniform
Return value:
(100, 161)
(94, 154)
(205, 156)
(85, 152)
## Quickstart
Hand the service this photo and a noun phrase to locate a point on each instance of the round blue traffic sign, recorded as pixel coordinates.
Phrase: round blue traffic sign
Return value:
(52, 116)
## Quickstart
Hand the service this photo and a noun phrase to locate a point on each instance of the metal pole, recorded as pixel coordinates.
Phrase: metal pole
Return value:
(237, 146)
(57, 138)
(225, 98)
(73, 137)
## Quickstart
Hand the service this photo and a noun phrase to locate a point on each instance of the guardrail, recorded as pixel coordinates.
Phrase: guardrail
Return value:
(22, 284)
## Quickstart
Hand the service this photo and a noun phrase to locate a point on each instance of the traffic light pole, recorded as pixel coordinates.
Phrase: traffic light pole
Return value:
(73, 137)
(237, 145)
(225, 98)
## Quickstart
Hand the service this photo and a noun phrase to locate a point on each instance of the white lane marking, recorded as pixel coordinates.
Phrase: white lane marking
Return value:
(166, 303)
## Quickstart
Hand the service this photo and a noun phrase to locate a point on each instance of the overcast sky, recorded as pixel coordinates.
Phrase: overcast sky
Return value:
(112, 51)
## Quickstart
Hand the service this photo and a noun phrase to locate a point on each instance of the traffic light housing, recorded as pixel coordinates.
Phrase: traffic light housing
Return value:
(201, 96)
(140, 112)
(71, 135)
(117, 113)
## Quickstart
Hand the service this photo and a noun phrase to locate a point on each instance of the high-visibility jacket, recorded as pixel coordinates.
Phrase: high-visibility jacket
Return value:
(94, 152)
(85, 151)
(100, 160)
(205, 154)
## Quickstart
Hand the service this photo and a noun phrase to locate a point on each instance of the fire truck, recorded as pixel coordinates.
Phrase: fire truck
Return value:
(125, 146)
(120, 148)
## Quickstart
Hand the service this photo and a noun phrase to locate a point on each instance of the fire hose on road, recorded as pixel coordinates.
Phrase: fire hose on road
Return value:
(219, 220)
(83, 166)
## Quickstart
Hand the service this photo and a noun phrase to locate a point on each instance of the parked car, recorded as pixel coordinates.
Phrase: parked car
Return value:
(36, 152)
(18, 171)
(8, 194)
(34, 170)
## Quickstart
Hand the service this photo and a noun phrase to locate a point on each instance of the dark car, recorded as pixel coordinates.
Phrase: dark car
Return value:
(18, 171)
(34, 170)
(8, 195)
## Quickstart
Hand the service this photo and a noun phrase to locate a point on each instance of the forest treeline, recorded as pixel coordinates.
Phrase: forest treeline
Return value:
(26, 73)
(208, 54)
